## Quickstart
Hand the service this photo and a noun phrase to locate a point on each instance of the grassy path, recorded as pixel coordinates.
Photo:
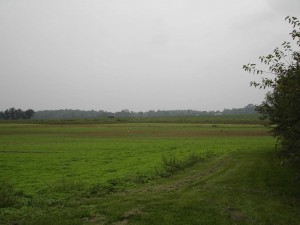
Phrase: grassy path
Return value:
(248, 187)
(239, 188)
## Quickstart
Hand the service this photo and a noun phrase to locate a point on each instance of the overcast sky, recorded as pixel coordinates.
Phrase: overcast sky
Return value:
(136, 54)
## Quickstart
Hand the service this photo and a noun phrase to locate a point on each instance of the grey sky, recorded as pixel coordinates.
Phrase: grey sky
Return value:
(135, 54)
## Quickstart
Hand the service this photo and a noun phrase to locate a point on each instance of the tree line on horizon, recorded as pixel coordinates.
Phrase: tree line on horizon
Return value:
(92, 114)
(17, 114)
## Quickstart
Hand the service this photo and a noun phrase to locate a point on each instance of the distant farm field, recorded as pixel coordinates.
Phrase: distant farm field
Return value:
(72, 172)
(34, 156)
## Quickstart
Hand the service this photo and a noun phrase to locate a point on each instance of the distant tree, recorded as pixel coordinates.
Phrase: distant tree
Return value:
(18, 114)
(28, 114)
(12, 113)
(6, 114)
(281, 106)
(15, 114)
(123, 113)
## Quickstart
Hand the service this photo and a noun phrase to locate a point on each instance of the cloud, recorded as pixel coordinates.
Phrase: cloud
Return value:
(286, 7)
(100, 54)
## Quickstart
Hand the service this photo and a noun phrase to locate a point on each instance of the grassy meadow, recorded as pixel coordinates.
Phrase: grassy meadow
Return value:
(142, 172)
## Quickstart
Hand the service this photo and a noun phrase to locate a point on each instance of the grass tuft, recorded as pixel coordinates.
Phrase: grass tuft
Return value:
(8, 195)
(110, 186)
(66, 185)
(172, 165)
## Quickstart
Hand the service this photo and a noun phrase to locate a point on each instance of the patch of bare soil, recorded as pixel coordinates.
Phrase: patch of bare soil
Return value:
(235, 215)
(131, 213)
(122, 222)
(97, 219)
(127, 215)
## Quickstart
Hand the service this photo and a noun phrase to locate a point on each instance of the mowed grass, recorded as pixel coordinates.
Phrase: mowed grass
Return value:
(115, 174)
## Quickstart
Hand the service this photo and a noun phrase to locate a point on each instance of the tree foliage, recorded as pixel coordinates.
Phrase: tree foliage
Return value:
(82, 114)
(281, 107)
(16, 114)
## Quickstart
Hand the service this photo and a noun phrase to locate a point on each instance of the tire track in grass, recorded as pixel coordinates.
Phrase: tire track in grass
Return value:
(179, 181)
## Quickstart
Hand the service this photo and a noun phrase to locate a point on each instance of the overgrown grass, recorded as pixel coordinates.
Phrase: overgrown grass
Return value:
(171, 165)
(8, 194)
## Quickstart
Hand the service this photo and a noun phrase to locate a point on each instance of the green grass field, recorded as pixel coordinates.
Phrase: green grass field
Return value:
(144, 173)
